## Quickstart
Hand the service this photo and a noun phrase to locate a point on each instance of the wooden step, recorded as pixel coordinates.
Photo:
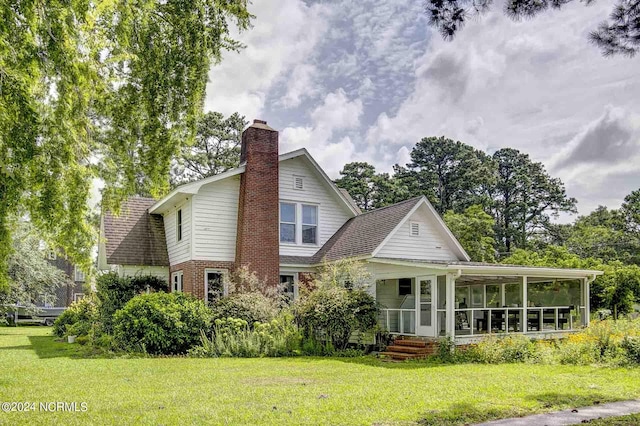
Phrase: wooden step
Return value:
(407, 349)
(402, 356)
(412, 343)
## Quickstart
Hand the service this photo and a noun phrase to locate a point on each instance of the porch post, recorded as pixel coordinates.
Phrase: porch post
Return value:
(450, 297)
(585, 301)
(524, 323)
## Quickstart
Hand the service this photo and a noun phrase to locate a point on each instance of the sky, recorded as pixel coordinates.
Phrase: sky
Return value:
(366, 80)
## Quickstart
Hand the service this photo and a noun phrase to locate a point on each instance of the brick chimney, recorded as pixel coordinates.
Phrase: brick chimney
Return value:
(258, 237)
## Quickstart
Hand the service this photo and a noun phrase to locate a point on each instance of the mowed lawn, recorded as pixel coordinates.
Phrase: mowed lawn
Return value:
(36, 368)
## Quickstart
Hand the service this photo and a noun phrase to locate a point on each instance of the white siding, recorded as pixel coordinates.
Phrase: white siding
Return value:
(215, 220)
(134, 271)
(429, 245)
(332, 212)
(178, 251)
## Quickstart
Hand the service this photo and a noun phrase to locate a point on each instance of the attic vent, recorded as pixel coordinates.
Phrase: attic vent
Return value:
(415, 229)
(298, 183)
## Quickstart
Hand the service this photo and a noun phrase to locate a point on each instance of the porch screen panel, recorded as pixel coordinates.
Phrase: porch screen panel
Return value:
(425, 302)
(513, 295)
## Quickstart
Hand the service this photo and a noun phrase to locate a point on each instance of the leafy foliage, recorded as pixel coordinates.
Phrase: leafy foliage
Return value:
(474, 231)
(337, 305)
(619, 35)
(106, 89)
(215, 150)
(253, 307)
(114, 291)
(368, 189)
(31, 276)
(161, 323)
(81, 315)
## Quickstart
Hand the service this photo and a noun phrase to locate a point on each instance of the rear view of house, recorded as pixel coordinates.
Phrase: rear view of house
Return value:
(282, 217)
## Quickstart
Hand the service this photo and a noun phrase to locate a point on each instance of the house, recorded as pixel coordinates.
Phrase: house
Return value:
(281, 215)
(72, 290)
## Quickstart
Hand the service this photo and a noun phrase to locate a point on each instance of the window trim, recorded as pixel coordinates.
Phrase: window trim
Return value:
(225, 282)
(75, 296)
(298, 225)
(75, 275)
(302, 224)
(179, 223)
(294, 223)
(296, 293)
(411, 287)
(175, 275)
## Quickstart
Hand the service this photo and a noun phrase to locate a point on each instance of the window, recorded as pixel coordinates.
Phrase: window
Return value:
(177, 281)
(404, 286)
(214, 285)
(309, 224)
(289, 286)
(179, 225)
(298, 183)
(78, 275)
(77, 296)
(287, 223)
(51, 254)
(415, 229)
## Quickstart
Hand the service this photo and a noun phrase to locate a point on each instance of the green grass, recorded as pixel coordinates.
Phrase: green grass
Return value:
(631, 420)
(285, 390)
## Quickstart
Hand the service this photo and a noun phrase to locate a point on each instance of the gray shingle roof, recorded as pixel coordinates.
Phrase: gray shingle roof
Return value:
(135, 237)
(296, 260)
(362, 234)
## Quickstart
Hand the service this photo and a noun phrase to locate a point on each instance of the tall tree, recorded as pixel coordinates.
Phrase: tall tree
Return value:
(368, 189)
(451, 174)
(525, 198)
(474, 230)
(105, 88)
(618, 35)
(215, 150)
(31, 277)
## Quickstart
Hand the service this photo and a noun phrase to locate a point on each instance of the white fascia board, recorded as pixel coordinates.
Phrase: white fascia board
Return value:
(524, 270)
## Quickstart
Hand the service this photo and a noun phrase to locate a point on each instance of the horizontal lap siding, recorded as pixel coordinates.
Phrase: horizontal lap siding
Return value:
(216, 220)
(332, 212)
(424, 247)
(178, 251)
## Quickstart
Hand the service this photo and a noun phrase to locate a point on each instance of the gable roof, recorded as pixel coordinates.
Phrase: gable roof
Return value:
(361, 235)
(186, 189)
(136, 237)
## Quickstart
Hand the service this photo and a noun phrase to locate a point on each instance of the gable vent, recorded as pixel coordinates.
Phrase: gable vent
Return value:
(298, 183)
(415, 229)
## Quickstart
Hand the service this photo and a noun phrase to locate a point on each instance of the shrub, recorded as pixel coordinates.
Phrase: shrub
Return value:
(251, 307)
(114, 292)
(337, 305)
(631, 344)
(161, 323)
(79, 317)
(232, 337)
(508, 349)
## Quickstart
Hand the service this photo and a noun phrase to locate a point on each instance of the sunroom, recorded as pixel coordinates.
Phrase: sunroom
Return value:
(468, 301)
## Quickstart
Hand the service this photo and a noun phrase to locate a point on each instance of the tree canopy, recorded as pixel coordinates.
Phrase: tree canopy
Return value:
(104, 89)
(620, 34)
(215, 150)
(474, 230)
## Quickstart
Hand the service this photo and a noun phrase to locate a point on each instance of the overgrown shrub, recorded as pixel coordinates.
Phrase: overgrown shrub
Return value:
(337, 305)
(161, 323)
(232, 337)
(496, 350)
(252, 307)
(114, 292)
(631, 344)
(78, 318)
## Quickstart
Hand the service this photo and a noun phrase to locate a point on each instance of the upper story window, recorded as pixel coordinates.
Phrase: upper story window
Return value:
(179, 225)
(51, 254)
(287, 223)
(298, 223)
(309, 224)
(414, 229)
(79, 275)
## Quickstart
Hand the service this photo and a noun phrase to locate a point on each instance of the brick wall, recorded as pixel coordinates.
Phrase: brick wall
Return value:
(258, 236)
(193, 274)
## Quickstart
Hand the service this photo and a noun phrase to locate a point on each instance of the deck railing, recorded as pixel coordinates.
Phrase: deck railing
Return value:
(398, 321)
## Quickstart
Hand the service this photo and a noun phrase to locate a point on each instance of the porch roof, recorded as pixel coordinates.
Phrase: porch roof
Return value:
(496, 269)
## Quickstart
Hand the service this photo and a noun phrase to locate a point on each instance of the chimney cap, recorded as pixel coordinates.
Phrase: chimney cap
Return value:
(261, 124)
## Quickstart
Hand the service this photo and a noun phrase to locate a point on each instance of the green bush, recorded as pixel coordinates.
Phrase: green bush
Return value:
(232, 337)
(631, 344)
(161, 323)
(251, 307)
(79, 318)
(114, 292)
(508, 349)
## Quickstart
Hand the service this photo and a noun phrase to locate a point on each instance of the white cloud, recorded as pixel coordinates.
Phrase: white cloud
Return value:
(300, 85)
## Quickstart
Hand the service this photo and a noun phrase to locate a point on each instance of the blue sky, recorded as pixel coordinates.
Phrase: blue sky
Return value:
(364, 81)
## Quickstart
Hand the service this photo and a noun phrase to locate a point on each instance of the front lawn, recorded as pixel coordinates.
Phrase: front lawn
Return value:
(334, 391)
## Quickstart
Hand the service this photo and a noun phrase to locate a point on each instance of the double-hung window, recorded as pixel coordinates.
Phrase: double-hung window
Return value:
(177, 281)
(309, 224)
(288, 223)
